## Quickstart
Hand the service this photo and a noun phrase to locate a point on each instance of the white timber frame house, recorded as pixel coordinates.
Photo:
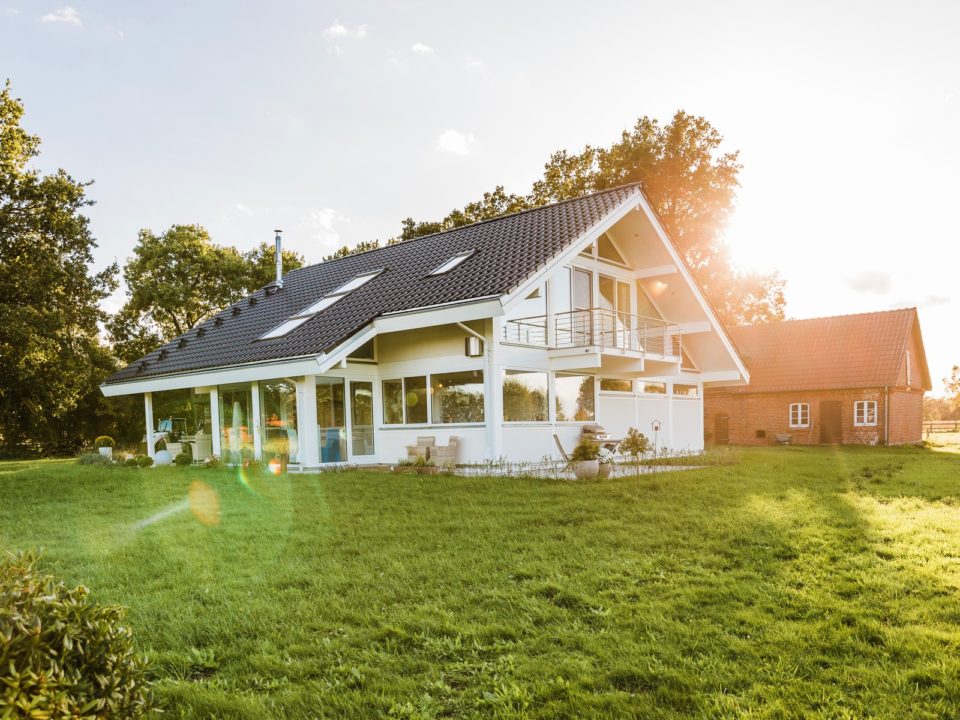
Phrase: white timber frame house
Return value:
(502, 334)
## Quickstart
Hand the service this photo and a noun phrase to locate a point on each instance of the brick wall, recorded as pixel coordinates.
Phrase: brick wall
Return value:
(770, 414)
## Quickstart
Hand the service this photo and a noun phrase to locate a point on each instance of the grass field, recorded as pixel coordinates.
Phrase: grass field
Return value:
(800, 582)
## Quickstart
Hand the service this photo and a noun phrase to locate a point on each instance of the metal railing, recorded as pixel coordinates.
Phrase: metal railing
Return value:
(605, 329)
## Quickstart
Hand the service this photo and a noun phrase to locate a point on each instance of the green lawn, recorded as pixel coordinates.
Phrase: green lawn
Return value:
(798, 583)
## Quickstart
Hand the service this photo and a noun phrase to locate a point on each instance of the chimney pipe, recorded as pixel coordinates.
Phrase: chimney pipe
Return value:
(278, 258)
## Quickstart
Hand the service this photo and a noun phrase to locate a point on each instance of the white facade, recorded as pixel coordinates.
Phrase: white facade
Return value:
(613, 332)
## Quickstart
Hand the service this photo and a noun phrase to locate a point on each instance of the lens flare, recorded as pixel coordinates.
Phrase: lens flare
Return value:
(204, 503)
(243, 477)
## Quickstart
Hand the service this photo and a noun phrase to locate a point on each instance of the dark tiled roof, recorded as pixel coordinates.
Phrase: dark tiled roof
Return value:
(845, 351)
(507, 251)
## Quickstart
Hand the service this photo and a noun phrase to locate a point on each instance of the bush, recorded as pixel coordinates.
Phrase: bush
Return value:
(93, 459)
(183, 459)
(635, 443)
(64, 656)
(131, 462)
(212, 463)
(586, 449)
(104, 441)
(143, 461)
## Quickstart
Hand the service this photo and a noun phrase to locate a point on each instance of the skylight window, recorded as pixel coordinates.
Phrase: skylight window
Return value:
(452, 263)
(291, 324)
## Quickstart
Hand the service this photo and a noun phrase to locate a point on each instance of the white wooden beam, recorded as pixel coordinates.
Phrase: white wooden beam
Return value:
(148, 412)
(652, 272)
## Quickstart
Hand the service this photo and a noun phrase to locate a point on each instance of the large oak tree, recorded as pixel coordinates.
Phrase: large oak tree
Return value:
(50, 354)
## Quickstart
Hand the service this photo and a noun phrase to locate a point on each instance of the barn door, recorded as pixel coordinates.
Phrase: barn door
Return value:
(721, 429)
(830, 416)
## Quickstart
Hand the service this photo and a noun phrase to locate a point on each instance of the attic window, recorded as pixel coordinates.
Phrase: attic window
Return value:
(323, 303)
(452, 263)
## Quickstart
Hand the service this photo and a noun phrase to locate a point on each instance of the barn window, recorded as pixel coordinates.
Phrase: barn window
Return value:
(799, 415)
(865, 413)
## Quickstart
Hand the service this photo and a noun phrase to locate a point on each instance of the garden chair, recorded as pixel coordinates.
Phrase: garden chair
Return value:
(568, 463)
(444, 455)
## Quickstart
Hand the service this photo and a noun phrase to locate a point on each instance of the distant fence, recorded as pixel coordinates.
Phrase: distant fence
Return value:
(932, 426)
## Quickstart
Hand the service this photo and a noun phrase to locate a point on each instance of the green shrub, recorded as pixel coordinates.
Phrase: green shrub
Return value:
(130, 462)
(586, 449)
(64, 656)
(143, 461)
(213, 463)
(635, 443)
(104, 441)
(183, 459)
(94, 458)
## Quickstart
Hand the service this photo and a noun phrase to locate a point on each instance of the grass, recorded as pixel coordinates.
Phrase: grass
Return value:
(800, 582)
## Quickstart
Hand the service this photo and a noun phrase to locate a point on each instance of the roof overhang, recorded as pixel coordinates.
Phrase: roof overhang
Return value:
(444, 314)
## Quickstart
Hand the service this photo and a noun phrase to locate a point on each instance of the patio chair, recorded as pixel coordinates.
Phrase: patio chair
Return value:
(443, 455)
(563, 453)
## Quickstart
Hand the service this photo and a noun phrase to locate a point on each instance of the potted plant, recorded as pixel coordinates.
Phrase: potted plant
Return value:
(636, 445)
(605, 459)
(104, 445)
(586, 466)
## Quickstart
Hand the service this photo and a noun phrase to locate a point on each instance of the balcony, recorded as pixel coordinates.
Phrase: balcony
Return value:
(606, 331)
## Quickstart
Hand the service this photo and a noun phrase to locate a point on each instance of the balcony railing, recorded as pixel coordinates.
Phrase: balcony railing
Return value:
(604, 329)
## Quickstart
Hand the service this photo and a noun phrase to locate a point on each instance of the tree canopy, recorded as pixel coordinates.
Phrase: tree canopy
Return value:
(179, 278)
(691, 184)
(50, 354)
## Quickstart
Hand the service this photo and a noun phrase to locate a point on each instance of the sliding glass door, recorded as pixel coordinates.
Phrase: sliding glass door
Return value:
(361, 419)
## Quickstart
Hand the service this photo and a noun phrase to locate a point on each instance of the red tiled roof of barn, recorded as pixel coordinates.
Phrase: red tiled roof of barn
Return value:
(843, 351)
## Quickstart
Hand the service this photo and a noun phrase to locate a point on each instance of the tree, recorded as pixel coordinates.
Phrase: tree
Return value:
(50, 354)
(691, 185)
(179, 278)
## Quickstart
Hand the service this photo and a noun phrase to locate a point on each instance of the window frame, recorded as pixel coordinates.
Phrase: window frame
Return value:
(318, 306)
(631, 391)
(556, 397)
(865, 406)
(803, 411)
(405, 422)
(452, 262)
(548, 394)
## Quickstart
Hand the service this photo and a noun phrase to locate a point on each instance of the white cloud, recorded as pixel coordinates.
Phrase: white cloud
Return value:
(11, 11)
(65, 14)
(120, 34)
(421, 49)
(455, 142)
(319, 225)
(871, 281)
(476, 64)
(339, 30)
(245, 209)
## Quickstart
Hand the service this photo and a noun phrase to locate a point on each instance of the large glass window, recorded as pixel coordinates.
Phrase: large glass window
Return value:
(331, 420)
(181, 422)
(393, 402)
(616, 385)
(236, 442)
(685, 390)
(405, 400)
(457, 397)
(575, 397)
(361, 418)
(278, 410)
(525, 396)
(654, 388)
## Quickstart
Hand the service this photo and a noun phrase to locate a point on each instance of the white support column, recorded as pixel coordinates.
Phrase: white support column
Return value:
(307, 422)
(215, 422)
(148, 411)
(700, 416)
(493, 389)
(255, 412)
(669, 437)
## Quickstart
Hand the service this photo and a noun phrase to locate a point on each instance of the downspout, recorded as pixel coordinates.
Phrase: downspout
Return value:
(886, 415)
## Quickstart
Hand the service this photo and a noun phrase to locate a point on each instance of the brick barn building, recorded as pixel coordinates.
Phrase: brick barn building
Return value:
(853, 379)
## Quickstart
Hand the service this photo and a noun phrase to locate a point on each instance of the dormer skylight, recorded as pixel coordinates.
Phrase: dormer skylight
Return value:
(452, 263)
(323, 303)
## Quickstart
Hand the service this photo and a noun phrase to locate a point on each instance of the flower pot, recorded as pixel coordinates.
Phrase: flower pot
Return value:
(605, 470)
(586, 469)
(107, 452)
(162, 457)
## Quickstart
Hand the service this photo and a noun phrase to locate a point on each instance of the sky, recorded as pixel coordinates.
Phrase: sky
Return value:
(335, 120)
